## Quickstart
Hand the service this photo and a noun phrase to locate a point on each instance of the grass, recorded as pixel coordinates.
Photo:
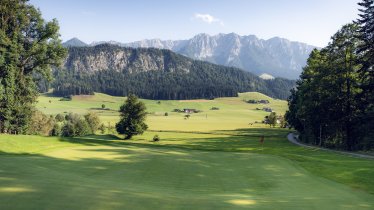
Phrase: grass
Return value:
(213, 162)
(234, 112)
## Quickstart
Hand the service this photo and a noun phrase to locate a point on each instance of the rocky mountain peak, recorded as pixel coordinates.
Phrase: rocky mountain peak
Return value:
(74, 42)
(276, 56)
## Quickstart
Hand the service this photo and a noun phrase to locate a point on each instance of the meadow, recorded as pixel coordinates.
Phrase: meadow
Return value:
(213, 160)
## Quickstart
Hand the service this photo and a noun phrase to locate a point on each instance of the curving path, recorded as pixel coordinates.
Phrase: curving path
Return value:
(293, 139)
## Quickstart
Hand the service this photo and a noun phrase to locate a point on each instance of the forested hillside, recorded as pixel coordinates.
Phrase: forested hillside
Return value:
(155, 74)
(278, 57)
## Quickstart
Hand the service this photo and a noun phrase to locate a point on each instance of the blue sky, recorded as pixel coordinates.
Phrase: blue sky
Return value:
(309, 21)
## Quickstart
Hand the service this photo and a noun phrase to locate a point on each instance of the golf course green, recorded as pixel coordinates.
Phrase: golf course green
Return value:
(212, 160)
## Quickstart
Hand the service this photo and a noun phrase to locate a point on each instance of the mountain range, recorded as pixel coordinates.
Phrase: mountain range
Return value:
(276, 57)
(155, 74)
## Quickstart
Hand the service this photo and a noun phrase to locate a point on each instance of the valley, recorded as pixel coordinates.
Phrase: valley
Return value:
(212, 160)
(187, 108)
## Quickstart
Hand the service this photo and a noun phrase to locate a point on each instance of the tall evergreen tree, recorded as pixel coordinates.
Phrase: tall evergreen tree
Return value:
(366, 58)
(133, 114)
(324, 106)
(29, 46)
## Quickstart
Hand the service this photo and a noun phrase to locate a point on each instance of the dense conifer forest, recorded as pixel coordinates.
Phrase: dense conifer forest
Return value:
(177, 77)
(333, 103)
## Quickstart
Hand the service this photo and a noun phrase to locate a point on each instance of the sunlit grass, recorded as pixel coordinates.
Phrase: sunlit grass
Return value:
(213, 160)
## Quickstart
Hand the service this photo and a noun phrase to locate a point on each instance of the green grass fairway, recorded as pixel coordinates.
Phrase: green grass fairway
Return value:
(91, 173)
(211, 161)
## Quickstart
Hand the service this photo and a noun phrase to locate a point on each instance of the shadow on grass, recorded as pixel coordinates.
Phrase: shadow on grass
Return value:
(251, 132)
(139, 174)
(135, 177)
(351, 171)
(91, 140)
(120, 178)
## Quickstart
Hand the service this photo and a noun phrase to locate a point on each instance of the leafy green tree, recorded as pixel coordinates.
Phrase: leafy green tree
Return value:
(272, 119)
(102, 128)
(133, 114)
(282, 121)
(102, 106)
(75, 125)
(29, 46)
(93, 121)
(82, 127)
(40, 124)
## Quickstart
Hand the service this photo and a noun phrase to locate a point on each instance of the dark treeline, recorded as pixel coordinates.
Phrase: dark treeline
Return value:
(333, 103)
(179, 78)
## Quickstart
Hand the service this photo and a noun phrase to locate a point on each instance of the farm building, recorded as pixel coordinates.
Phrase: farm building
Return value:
(263, 101)
(190, 111)
(267, 109)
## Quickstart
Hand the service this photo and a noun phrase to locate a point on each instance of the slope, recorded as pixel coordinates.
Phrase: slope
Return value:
(155, 74)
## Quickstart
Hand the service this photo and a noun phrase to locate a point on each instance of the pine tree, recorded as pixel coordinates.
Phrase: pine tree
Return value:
(29, 46)
(366, 51)
(133, 114)
(323, 108)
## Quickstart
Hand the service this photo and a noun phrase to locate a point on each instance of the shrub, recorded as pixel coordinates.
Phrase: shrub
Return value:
(102, 128)
(92, 120)
(56, 131)
(156, 138)
(102, 106)
(111, 128)
(60, 118)
(40, 124)
(75, 125)
(82, 128)
(68, 130)
(166, 114)
(66, 98)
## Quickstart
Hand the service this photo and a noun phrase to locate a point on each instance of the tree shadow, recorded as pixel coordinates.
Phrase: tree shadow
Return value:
(91, 140)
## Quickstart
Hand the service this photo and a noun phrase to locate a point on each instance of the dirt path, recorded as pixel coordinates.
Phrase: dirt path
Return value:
(293, 139)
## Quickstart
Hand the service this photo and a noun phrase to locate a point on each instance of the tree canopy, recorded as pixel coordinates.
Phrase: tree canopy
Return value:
(333, 103)
(29, 46)
(133, 114)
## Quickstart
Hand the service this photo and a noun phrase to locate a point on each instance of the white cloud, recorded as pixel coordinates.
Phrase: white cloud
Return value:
(208, 18)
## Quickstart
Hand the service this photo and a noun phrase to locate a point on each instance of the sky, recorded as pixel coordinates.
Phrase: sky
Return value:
(308, 21)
